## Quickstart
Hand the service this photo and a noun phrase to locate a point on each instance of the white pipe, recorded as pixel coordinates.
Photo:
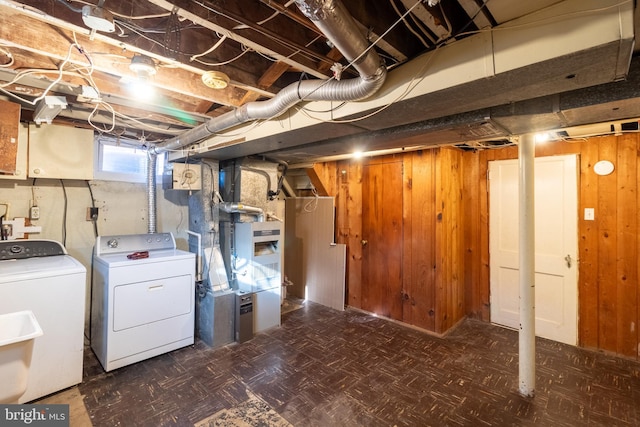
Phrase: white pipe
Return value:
(527, 252)
(199, 255)
(240, 208)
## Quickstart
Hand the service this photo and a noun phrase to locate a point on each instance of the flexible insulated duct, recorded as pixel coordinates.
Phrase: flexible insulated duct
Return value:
(335, 22)
(151, 191)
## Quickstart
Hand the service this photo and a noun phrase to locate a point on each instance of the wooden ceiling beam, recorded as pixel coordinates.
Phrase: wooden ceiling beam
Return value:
(288, 41)
(274, 72)
(294, 15)
(13, 28)
(174, 108)
(24, 33)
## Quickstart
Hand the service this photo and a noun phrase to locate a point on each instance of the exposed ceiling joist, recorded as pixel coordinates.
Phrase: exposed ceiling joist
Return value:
(190, 15)
(266, 45)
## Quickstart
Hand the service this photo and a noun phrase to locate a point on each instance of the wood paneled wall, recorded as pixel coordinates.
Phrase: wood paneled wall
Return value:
(446, 237)
(449, 249)
(608, 289)
(432, 258)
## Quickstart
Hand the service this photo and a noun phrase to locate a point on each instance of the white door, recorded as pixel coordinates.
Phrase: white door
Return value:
(556, 269)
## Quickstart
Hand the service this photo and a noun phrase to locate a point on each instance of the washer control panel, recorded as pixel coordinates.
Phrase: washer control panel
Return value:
(22, 249)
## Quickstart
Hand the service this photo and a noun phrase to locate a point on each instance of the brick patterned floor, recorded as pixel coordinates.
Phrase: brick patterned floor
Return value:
(328, 368)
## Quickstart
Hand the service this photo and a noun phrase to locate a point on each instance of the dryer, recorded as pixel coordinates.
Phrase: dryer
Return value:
(143, 298)
(40, 276)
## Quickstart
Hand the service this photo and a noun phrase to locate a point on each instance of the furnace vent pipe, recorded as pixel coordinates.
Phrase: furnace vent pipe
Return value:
(335, 22)
(240, 208)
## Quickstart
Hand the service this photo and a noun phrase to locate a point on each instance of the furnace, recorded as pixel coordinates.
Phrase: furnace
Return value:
(258, 262)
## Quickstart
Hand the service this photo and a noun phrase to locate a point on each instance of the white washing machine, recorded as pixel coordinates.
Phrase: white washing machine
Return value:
(40, 276)
(143, 298)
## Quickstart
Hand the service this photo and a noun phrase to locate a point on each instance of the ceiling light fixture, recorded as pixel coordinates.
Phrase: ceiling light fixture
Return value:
(542, 137)
(144, 68)
(215, 79)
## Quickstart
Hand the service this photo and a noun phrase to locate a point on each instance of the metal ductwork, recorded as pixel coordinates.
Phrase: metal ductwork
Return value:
(335, 22)
(151, 192)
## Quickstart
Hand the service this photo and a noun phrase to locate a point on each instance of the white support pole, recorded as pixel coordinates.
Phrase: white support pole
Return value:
(527, 333)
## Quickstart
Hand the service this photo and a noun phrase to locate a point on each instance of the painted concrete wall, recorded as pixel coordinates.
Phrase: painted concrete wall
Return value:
(122, 210)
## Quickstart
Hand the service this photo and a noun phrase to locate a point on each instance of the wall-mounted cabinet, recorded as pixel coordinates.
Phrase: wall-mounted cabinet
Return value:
(9, 124)
(60, 152)
(20, 156)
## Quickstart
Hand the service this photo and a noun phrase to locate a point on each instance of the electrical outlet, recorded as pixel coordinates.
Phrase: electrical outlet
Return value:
(92, 214)
(34, 213)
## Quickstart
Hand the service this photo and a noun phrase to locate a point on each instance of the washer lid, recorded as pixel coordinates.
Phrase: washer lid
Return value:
(15, 270)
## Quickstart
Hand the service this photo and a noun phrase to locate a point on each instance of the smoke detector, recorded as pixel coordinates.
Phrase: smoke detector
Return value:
(98, 18)
(215, 79)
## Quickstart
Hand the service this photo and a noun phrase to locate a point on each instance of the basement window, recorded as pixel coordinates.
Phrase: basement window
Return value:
(123, 161)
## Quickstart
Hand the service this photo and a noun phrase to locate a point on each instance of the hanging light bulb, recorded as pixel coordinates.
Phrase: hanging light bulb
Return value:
(144, 68)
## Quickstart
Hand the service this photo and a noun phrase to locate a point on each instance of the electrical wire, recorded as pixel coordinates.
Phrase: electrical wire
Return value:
(159, 15)
(93, 205)
(415, 81)
(8, 55)
(309, 55)
(172, 35)
(95, 111)
(33, 192)
(60, 72)
(314, 201)
(218, 64)
(421, 26)
(371, 46)
(446, 20)
(73, 9)
(213, 190)
(211, 49)
(547, 19)
(473, 18)
(407, 25)
(419, 76)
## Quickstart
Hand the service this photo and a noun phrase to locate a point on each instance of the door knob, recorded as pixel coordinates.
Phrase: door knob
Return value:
(364, 242)
(568, 260)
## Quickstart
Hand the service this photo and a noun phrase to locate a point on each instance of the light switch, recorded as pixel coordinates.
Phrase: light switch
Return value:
(589, 214)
